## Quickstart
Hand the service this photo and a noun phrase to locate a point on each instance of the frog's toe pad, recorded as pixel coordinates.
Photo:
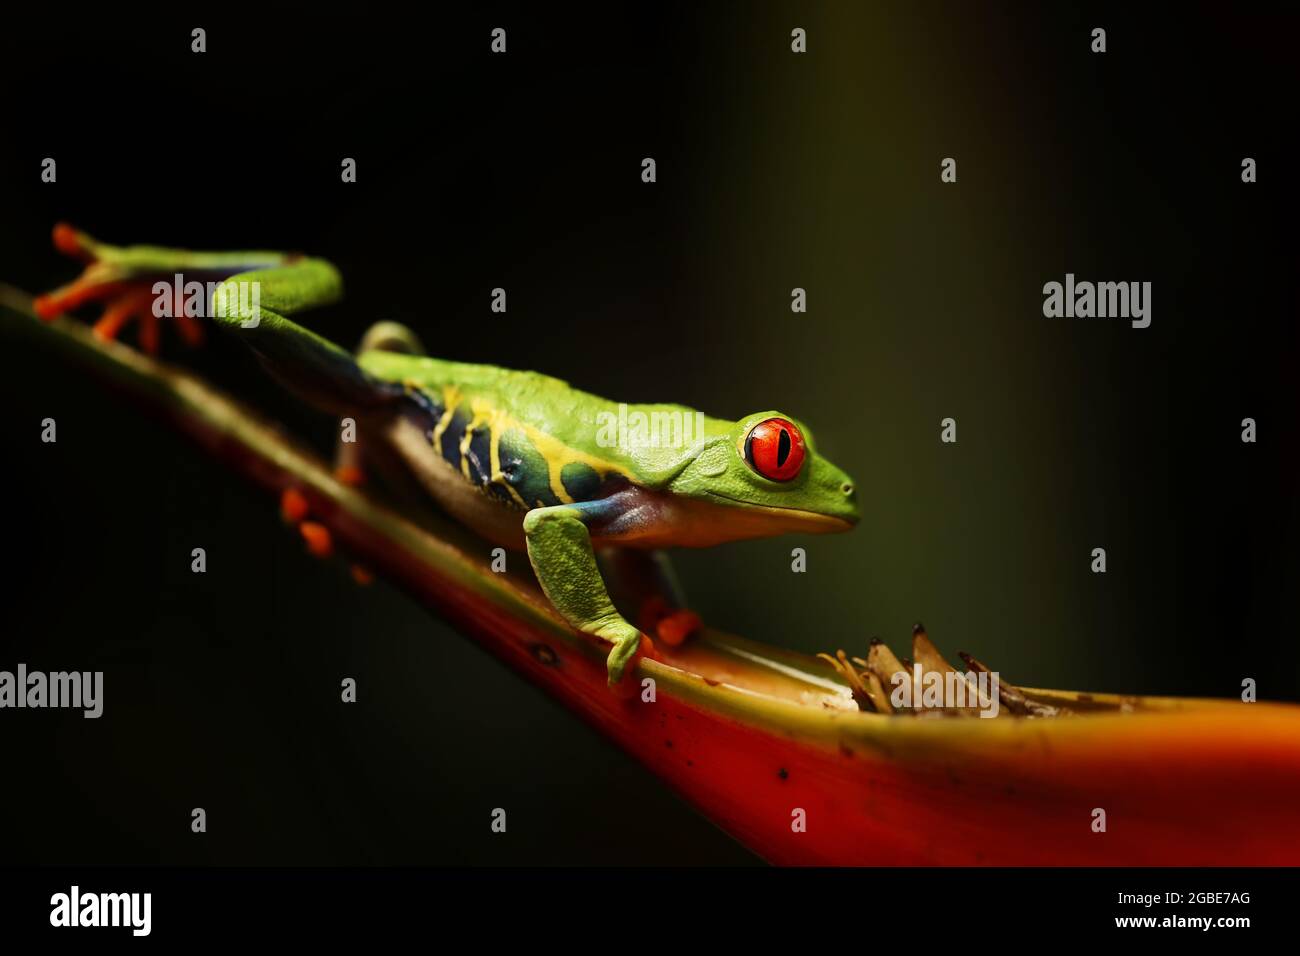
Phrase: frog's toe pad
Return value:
(293, 506)
(318, 539)
(677, 626)
(296, 510)
(350, 475)
(622, 660)
(671, 625)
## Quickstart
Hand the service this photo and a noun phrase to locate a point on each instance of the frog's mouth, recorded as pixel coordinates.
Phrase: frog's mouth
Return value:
(793, 519)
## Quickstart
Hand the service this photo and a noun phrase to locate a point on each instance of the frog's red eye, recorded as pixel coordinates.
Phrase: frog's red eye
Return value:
(774, 449)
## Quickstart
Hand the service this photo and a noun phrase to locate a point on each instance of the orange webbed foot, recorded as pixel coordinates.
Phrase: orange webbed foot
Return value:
(295, 510)
(670, 625)
(126, 296)
(677, 627)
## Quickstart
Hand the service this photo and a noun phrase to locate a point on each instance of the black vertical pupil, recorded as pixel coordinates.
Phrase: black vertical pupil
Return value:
(782, 448)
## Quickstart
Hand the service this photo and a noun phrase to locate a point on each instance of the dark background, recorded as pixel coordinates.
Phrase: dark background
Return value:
(523, 171)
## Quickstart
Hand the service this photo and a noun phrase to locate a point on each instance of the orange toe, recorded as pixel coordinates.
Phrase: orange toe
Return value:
(150, 335)
(320, 542)
(350, 475)
(677, 627)
(122, 309)
(114, 319)
(73, 296)
(293, 505)
(190, 328)
(69, 241)
(46, 306)
(126, 300)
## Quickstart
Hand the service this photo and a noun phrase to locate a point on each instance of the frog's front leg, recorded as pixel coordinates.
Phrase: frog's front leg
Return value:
(559, 547)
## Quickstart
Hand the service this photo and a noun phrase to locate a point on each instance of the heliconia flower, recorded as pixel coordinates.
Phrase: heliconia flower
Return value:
(805, 760)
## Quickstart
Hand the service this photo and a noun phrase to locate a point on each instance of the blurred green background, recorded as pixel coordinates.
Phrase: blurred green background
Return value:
(775, 171)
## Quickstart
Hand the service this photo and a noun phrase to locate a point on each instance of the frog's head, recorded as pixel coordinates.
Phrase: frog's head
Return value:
(767, 466)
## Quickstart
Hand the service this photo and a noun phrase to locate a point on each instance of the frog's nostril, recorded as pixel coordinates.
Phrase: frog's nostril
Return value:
(847, 488)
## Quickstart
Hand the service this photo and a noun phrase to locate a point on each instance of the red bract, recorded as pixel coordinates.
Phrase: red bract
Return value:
(770, 744)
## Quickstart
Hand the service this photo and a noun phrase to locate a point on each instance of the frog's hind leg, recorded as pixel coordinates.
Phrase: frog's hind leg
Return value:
(351, 454)
(126, 280)
(390, 337)
(644, 584)
(354, 456)
(314, 368)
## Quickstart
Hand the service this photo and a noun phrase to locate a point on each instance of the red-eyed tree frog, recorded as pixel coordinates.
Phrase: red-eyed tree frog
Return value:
(523, 459)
